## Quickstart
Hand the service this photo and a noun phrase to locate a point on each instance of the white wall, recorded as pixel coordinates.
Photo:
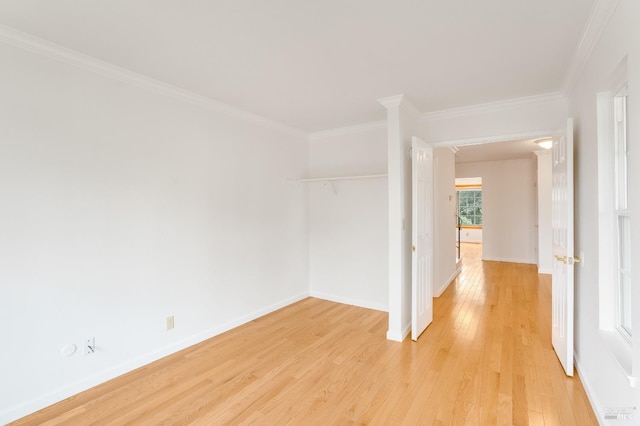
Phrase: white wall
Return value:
(444, 219)
(545, 244)
(348, 228)
(471, 235)
(122, 206)
(604, 380)
(508, 208)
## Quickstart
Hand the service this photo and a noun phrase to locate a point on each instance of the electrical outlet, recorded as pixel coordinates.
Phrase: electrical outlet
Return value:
(90, 346)
(170, 323)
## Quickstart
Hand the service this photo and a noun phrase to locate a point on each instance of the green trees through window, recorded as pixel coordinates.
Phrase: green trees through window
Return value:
(470, 207)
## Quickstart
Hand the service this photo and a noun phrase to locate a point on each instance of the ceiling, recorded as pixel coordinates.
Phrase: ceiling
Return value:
(318, 65)
(512, 150)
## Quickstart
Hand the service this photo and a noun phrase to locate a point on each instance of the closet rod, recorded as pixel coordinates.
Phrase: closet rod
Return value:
(340, 178)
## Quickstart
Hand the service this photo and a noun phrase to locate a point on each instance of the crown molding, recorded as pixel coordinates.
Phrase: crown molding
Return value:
(402, 102)
(24, 41)
(601, 14)
(490, 139)
(498, 106)
(348, 130)
(542, 153)
(392, 101)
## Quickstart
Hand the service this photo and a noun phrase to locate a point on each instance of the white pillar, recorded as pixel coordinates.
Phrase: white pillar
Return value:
(403, 122)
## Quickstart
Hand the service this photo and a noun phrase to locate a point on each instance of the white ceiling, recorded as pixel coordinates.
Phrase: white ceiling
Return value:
(317, 65)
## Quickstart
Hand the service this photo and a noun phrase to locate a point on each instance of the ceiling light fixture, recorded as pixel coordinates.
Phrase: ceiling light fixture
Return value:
(545, 143)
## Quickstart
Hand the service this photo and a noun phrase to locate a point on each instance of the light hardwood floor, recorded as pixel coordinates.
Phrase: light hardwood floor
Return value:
(485, 360)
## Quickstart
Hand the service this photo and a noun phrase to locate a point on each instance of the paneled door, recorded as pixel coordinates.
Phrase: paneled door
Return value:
(564, 260)
(422, 237)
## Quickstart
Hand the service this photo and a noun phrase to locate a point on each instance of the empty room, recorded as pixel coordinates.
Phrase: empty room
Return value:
(246, 212)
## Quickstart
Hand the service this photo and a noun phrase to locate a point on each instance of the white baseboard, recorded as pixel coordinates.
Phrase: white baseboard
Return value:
(510, 259)
(406, 330)
(349, 301)
(17, 412)
(401, 335)
(588, 388)
(396, 337)
(438, 292)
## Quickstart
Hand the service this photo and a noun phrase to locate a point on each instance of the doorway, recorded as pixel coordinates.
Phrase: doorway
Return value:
(505, 175)
(468, 214)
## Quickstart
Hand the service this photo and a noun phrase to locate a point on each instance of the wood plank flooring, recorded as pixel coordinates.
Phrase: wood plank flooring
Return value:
(486, 359)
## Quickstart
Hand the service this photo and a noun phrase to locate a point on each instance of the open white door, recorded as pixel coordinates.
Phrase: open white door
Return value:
(422, 237)
(562, 228)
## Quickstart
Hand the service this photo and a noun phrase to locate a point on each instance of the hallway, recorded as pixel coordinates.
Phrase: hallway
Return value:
(500, 313)
(485, 360)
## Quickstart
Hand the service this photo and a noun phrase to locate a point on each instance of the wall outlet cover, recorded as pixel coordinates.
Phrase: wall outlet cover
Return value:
(170, 323)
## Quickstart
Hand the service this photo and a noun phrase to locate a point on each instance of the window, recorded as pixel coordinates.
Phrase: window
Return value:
(469, 203)
(622, 214)
(617, 310)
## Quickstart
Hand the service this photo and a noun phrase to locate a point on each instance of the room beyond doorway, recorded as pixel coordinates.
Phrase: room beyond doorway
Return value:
(469, 209)
(470, 252)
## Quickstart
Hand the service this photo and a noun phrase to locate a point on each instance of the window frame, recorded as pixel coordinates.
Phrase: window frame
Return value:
(469, 187)
(622, 212)
(623, 346)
